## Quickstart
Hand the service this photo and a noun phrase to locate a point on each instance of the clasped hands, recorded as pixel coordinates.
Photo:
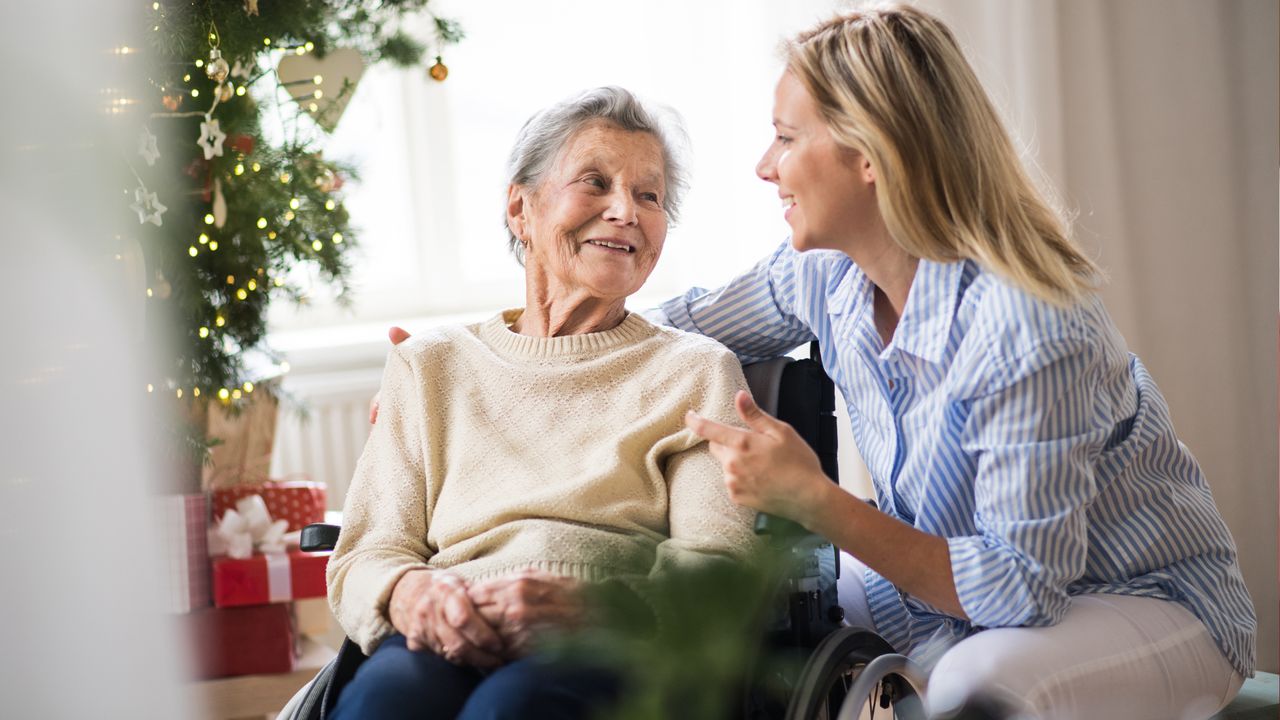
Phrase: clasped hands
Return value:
(482, 624)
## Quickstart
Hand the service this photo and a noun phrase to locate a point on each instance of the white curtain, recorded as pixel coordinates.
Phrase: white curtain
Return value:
(1156, 121)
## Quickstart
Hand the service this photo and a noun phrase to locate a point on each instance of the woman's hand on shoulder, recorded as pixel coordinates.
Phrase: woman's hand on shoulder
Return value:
(523, 605)
(767, 467)
(433, 611)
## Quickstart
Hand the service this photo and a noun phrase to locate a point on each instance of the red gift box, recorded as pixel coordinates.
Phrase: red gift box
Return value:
(240, 641)
(270, 578)
(184, 525)
(298, 501)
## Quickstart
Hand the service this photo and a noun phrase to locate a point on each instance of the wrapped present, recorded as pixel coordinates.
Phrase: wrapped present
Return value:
(268, 578)
(299, 502)
(240, 641)
(244, 455)
(184, 524)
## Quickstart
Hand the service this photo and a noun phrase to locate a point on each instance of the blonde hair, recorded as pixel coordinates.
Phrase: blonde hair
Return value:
(892, 84)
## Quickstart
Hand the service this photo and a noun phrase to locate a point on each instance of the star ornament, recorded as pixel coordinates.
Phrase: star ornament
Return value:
(147, 147)
(211, 137)
(148, 207)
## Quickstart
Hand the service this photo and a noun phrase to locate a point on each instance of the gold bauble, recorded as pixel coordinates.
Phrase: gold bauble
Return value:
(226, 91)
(439, 71)
(217, 69)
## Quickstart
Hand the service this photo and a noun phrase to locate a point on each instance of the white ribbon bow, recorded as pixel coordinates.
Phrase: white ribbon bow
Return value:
(249, 528)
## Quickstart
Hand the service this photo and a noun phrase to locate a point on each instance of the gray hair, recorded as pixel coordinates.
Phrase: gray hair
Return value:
(546, 133)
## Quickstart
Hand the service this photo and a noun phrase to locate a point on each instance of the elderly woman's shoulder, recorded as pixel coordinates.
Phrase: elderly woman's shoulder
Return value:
(431, 342)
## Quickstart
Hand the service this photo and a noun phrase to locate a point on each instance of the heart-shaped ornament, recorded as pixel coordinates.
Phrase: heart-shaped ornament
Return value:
(322, 86)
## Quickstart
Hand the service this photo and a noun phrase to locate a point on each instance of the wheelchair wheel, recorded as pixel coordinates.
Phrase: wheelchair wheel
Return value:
(836, 668)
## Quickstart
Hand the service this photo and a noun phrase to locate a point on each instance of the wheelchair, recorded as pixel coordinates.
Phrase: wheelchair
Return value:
(848, 670)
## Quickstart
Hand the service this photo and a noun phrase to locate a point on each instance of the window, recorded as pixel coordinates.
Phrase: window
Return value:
(433, 155)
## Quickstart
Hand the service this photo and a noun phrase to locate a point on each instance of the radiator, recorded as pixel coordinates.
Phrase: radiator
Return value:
(323, 425)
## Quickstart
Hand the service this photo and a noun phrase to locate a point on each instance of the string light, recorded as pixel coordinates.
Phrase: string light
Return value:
(262, 223)
(155, 6)
(195, 391)
(317, 245)
(284, 367)
(329, 205)
(195, 92)
(231, 279)
(179, 392)
(289, 216)
(317, 80)
(223, 394)
(279, 282)
(313, 107)
(149, 292)
(337, 238)
(150, 387)
(241, 294)
(220, 321)
(294, 203)
(240, 91)
(317, 94)
(199, 62)
(213, 244)
(271, 235)
(204, 239)
(310, 46)
(204, 332)
(186, 78)
(252, 284)
(256, 167)
(239, 168)
(248, 386)
(236, 394)
(208, 219)
(285, 178)
(192, 251)
(300, 51)
(266, 41)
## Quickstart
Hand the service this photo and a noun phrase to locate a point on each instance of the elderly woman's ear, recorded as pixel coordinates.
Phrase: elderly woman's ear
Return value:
(516, 221)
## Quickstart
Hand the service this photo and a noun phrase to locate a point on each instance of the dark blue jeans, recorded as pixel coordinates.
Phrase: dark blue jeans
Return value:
(396, 682)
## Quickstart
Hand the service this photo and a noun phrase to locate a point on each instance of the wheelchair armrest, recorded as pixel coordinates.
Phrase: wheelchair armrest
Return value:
(319, 536)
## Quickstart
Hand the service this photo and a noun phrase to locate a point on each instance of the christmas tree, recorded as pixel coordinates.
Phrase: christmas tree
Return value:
(223, 210)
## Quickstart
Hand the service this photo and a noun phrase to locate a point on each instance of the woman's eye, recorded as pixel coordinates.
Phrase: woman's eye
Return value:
(649, 197)
(594, 181)
(782, 139)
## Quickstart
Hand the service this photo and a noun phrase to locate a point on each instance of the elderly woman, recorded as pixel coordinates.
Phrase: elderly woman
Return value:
(517, 458)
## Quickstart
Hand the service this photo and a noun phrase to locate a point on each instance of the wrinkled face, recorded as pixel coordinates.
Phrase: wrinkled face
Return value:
(828, 192)
(595, 225)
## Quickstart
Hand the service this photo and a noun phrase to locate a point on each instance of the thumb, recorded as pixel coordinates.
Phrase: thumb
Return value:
(397, 335)
(751, 414)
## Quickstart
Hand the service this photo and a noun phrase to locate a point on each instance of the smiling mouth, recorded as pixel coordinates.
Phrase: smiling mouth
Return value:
(612, 245)
(788, 202)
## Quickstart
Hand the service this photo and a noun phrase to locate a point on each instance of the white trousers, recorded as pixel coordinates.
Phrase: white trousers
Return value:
(1112, 656)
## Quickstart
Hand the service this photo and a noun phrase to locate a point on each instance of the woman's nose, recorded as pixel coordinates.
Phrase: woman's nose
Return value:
(622, 207)
(767, 168)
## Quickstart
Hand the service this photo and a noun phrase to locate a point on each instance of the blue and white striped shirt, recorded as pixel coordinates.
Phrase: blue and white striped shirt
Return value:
(1025, 434)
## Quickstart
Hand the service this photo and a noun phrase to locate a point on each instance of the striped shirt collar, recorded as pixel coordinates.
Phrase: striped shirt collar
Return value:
(925, 325)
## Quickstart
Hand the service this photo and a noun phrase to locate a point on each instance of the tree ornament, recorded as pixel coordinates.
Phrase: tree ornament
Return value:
(147, 147)
(439, 71)
(219, 205)
(251, 7)
(217, 69)
(211, 137)
(172, 102)
(327, 181)
(162, 288)
(241, 143)
(338, 73)
(226, 91)
(147, 205)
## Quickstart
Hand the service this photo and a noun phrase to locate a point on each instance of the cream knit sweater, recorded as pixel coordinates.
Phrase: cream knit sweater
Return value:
(496, 452)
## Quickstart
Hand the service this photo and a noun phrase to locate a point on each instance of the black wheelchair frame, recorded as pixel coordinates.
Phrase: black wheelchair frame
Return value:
(845, 665)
